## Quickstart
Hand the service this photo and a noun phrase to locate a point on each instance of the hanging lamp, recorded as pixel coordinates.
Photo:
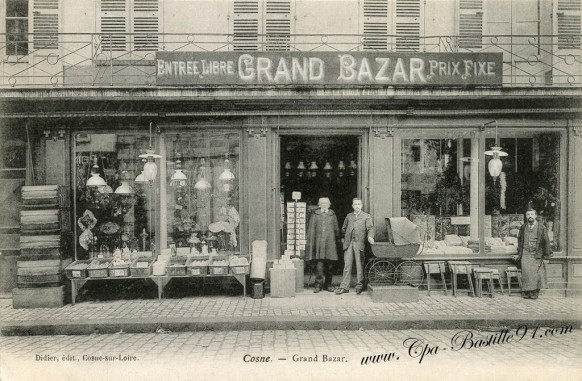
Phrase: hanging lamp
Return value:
(178, 178)
(226, 174)
(96, 180)
(124, 188)
(202, 183)
(150, 169)
(313, 169)
(495, 164)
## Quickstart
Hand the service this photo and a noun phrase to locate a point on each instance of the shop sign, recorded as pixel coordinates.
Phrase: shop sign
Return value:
(328, 68)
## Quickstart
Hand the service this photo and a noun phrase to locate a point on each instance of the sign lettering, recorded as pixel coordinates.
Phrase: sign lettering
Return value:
(329, 68)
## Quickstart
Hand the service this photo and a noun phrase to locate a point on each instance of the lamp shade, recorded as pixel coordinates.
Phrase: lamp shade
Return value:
(202, 183)
(178, 178)
(341, 166)
(140, 178)
(327, 166)
(301, 166)
(495, 164)
(124, 188)
(96, 180)
(226, 175)
(313, 166)
(150, 169)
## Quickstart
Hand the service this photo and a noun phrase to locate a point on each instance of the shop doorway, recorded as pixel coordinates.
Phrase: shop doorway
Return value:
(316, 166)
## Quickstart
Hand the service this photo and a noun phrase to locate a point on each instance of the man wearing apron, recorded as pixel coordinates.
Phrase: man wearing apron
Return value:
(533, 247)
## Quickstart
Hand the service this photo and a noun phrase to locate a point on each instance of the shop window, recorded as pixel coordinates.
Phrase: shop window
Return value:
(436, 193)
(529, 177)
(116, 208)
(202, 193)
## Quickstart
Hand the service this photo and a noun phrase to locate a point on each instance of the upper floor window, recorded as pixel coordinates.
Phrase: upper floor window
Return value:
(16, 27)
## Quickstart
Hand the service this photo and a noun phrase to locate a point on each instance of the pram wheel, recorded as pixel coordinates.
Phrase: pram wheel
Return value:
(409, 273)
(381, 272)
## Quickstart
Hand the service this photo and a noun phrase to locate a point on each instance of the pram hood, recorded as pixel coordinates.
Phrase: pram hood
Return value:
(402, 231)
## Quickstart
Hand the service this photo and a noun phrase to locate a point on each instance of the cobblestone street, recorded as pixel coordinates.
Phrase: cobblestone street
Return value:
(514, 354)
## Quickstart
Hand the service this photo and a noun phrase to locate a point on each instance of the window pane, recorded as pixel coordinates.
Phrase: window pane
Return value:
(436, 193)
(202, 176)
(17, 8)
(17, 37)
(529, 177)
(114, 211)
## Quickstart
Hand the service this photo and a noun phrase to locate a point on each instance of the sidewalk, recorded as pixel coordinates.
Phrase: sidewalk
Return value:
(305, 311)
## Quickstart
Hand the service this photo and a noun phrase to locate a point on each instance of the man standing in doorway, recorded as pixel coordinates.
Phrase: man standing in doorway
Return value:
(533, 247)
(357, 227)
(322, 234)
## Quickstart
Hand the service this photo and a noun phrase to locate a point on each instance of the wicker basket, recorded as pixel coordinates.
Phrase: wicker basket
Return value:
(100, 269)
(176, 266)
(119, 271)
(218, 265)
(195, 267)
(138, 267)
(239, 269)
(77, 269)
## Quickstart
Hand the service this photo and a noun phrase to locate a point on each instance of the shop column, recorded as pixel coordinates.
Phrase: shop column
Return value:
(574, 216)
(256, 181)
(382, 185)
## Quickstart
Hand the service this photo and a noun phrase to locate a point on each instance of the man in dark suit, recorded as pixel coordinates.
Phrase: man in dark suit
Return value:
(322, 234)
(533, 247)
(357, 228)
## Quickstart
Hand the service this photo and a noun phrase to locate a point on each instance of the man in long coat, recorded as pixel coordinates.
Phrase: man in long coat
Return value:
(533, 247)
(321, 248)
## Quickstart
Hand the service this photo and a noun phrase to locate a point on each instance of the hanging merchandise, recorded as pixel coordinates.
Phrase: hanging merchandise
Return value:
(226, 174)
(313, 169)
(96, 180)
(495, 164)
(124, 188)
(150, 169)
(341, 167)
(202, 183)
(353, 168)
(300, 169)
(178, 178)
(327, 169)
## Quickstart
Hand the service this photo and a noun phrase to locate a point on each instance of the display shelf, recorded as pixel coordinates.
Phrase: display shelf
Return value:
(161, 281)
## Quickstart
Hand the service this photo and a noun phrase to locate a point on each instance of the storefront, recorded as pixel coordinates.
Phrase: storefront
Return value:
(231, 145)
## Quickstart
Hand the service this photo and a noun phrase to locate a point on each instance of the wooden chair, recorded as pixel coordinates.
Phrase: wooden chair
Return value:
(435, 267)
(513, 272)
(483, 274)
(463, 268)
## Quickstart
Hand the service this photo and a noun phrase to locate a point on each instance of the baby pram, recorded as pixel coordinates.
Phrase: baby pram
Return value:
(391, 264)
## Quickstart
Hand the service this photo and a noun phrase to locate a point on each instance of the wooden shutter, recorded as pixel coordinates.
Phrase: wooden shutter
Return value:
(45, 24)
(409, 14)
(471, 24)
(114, 28)
(145, 25)
(568, 16)
(278, 25)
(375, 25)
(245, 25)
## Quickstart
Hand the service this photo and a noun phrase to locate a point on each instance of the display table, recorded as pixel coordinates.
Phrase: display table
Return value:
(77, 283)
(160, 280)
(163, 280)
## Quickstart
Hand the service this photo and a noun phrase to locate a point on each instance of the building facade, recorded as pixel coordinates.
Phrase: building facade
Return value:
(398, 102)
